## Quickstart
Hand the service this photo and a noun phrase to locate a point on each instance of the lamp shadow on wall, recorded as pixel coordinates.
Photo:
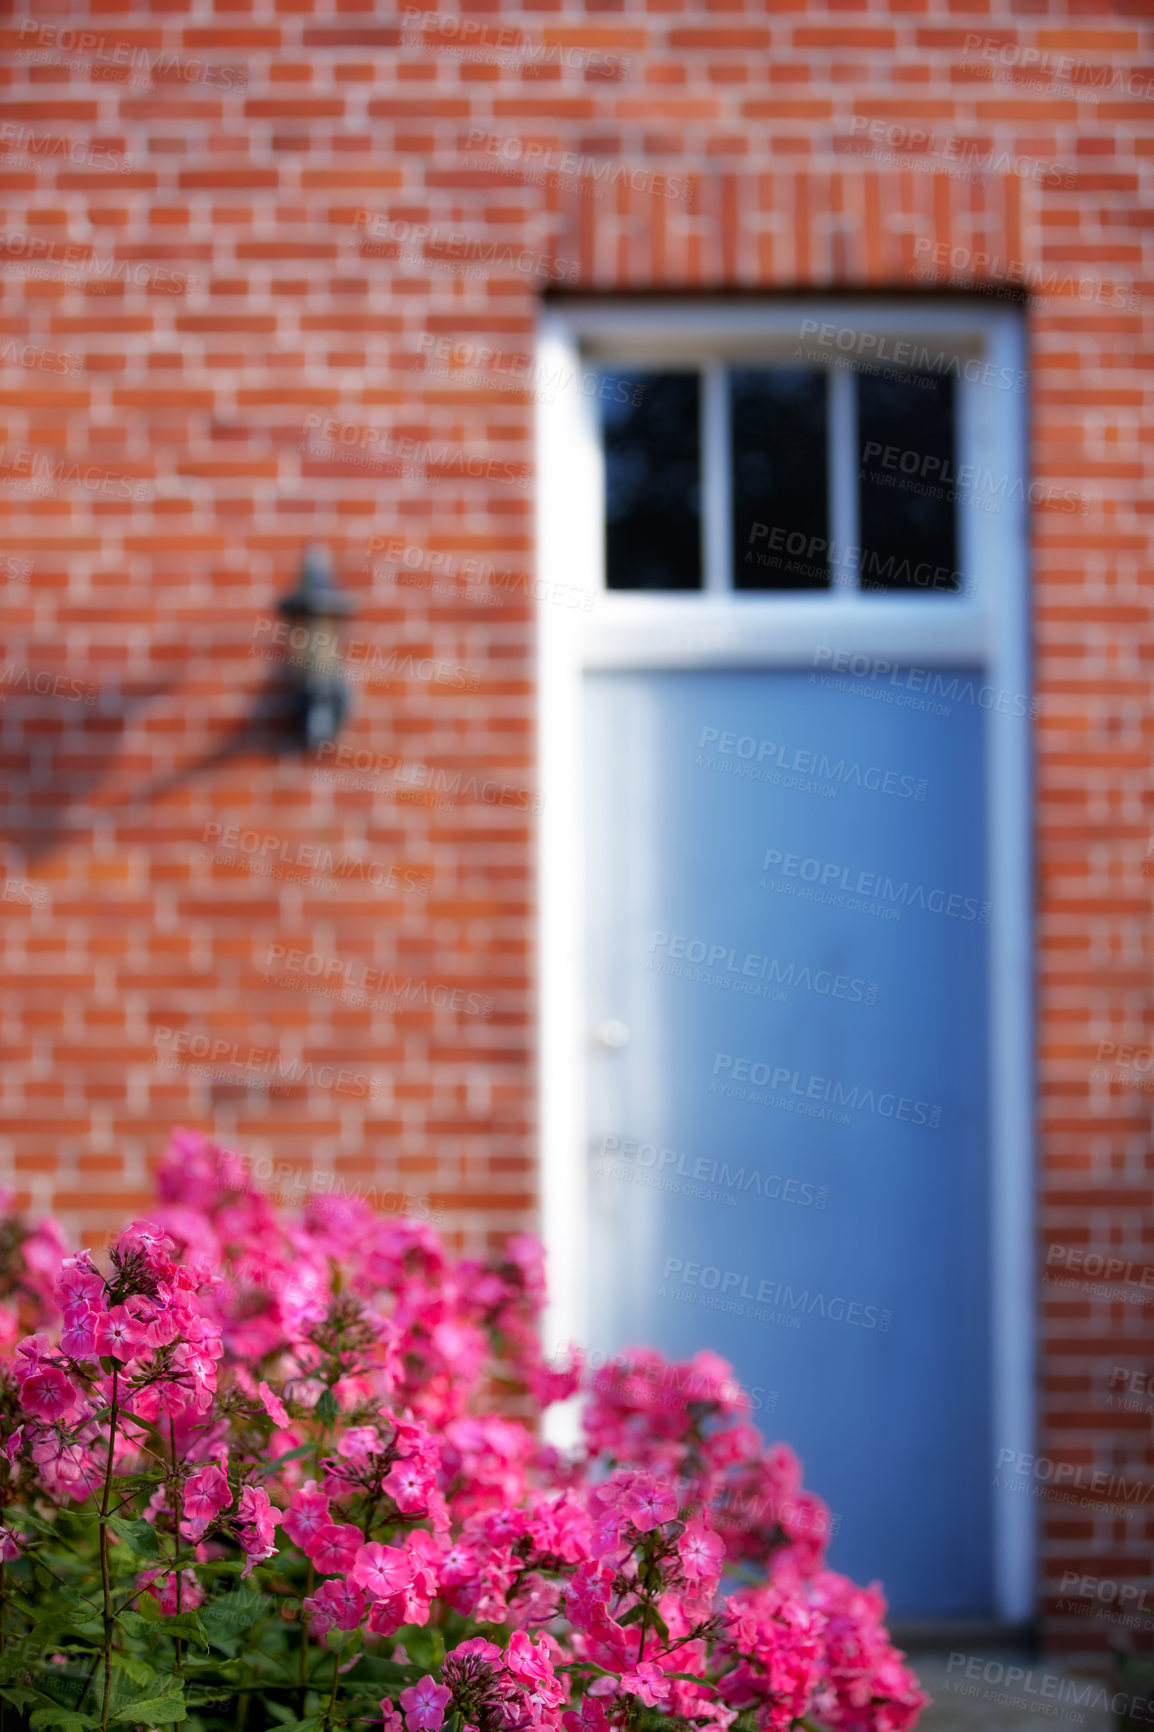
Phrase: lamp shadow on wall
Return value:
(74, 765)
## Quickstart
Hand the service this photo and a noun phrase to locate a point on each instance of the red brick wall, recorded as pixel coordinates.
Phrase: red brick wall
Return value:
(186, 281)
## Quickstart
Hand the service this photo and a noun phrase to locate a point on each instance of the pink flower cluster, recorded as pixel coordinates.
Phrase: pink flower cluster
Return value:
(317, 1394)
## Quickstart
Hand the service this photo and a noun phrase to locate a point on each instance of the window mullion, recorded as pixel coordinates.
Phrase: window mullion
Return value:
(716, 483)
(843, 479)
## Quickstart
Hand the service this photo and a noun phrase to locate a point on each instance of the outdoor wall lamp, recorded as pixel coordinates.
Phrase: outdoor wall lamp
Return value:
(316, 610)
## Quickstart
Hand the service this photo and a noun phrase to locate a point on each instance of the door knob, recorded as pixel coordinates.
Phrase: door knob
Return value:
(611, 1033)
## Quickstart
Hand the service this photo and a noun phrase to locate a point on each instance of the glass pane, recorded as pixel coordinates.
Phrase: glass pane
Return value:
(908, 482)
(780, 478)
(652, 437)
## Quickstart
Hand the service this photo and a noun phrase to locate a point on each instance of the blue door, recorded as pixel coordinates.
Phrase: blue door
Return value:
(788, 1096)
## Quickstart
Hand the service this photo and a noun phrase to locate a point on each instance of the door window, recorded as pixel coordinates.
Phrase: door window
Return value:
(793, 452)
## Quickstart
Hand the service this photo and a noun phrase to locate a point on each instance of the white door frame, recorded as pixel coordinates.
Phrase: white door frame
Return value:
(581, 626)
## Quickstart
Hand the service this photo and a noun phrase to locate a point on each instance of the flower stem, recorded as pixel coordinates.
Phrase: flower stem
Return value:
(305, 1644)
(105, 1581)
(332, 1692)
(178, 1513)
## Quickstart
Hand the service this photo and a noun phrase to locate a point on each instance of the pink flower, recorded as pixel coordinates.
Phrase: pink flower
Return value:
(648, 1503)
(273, 1405)
(334, 1549)
(161, 1584)
(424, 1704)
(702, 1552)
(307, 1514)
(409, 1485)
(78, 1282)
(256, 1527)
(119, 1334)
(590, 1717)
(338, 1604)
(383, 1570)
(10, 1544)
(533, 1667)
(78, 1337)
(205, 1495)
(358, 1442)
(649, 1682)
(48, 1394)
(393, 1721)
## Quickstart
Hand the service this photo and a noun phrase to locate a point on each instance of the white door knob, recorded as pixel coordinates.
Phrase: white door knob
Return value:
(611, 1033)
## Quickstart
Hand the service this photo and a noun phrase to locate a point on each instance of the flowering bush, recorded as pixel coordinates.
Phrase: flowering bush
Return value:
(261, 1473)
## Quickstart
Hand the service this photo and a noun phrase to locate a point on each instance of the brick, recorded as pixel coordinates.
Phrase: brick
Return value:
(256, 192)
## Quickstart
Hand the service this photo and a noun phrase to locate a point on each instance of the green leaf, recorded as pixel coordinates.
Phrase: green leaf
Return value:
(226, 1616)
(159, 1710)
(135, 1668)
(19, 1695)
(202, 1696)
(188, 1626)
(66, 1718)
(312, 1723)
(327, 1408)
(289, 1455)
(140, 1536)
(341, 1641)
